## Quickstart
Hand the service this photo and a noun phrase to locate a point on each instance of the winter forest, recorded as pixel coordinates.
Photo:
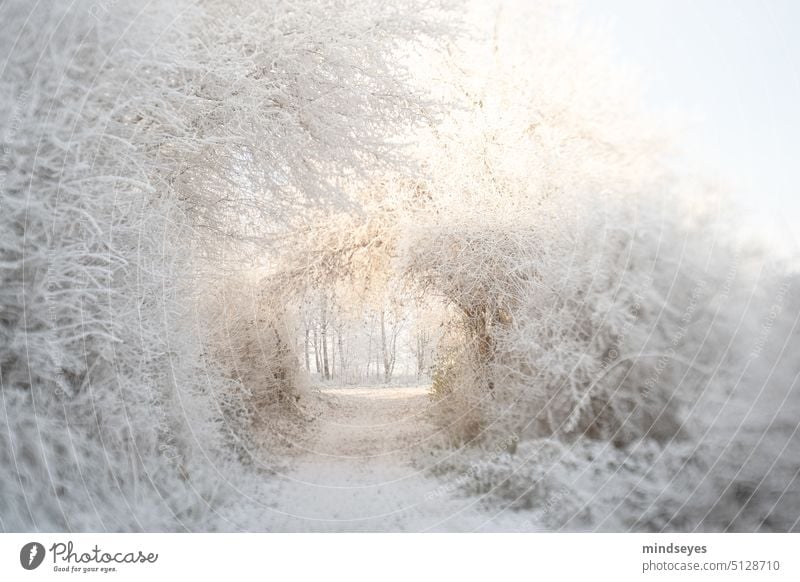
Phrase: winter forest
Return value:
(353, 265)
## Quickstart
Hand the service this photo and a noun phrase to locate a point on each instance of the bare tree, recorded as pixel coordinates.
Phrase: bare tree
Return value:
(306, 347)
(422, 343)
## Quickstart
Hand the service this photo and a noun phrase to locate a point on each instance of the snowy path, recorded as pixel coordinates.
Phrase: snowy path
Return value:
(364, 470)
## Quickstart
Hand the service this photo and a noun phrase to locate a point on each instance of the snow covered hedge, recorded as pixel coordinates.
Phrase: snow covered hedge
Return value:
(604, 307)
(144, 151)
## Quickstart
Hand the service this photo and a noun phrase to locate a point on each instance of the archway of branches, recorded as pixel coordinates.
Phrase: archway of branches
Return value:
(338, 306)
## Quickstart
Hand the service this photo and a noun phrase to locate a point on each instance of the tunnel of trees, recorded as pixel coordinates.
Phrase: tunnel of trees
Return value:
(208, 206)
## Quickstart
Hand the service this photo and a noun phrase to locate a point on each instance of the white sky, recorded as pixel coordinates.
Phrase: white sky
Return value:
(734, 66)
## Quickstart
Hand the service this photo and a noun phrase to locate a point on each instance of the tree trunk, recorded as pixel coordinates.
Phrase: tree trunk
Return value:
(305, 351)
(326, 371)
(342, 367)
(369, 347)
(421, 352)
(316, 352)
(479, 319)
(333, 351)
(387, 371)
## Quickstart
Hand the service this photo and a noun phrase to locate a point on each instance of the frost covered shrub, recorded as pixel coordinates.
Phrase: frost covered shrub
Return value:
(605, 306)
(583, 343)
(590, 485)
(652, 366)
(591, 283)
(255, 346)
(101, 407)
(454, 372)
(606, 345)
(139, 147)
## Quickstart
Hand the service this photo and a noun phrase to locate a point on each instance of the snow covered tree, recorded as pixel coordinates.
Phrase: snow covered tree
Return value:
(148, 154)
(603, 309)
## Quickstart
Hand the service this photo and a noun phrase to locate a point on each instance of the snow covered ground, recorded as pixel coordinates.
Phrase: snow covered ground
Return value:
(364, 469)
(372, 461)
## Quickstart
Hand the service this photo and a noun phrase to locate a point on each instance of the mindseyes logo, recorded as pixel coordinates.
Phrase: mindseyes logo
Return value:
(31, 555)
